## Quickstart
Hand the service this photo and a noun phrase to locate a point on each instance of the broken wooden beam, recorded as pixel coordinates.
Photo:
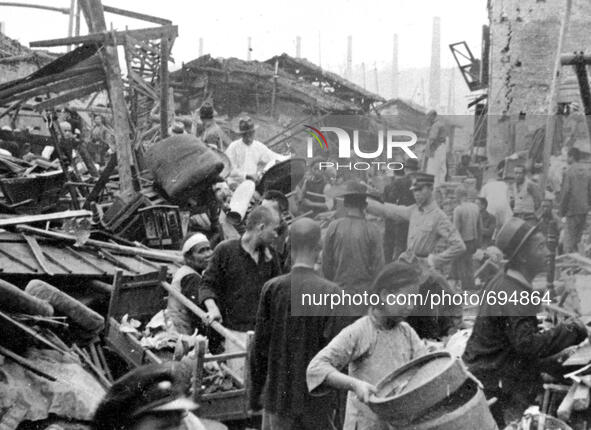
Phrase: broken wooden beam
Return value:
(136, 15)
(27, 219)
(170, 256)
(27, 364)
(116, 37)
(71, 95)
(95, 18)
(38, 254)
(572, 59)
(202, 315)
(164, 88)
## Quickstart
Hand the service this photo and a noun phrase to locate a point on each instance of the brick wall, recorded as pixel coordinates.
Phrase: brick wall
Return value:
(524, 38)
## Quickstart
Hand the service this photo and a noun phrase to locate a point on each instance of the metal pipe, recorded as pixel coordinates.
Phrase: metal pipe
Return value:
(65, 11)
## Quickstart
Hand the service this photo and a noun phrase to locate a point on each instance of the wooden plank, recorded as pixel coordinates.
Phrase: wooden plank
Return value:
(169, 256)
(201, 314)
(18, 260)
(164, 88)
(70, 95)
(56, 262)
(57, 86)
(46, 79)
(7, 320)
(27, 219)
(27, 364)
(136, 15)
(117, 37)
(82, 258)
(38, 254)
(94, 14)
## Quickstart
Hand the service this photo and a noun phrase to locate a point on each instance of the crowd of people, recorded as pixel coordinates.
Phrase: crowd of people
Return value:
(246, 272)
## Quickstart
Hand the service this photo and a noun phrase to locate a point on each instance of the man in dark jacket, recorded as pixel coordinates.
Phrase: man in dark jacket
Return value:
(506, 345)
(575, 199)
(399, 193)
(288, 335)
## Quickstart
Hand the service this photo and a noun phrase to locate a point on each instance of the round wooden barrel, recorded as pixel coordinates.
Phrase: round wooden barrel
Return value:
(407, 392)
(448, 415)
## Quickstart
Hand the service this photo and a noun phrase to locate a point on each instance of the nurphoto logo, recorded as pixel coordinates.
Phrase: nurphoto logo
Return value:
(388, 140)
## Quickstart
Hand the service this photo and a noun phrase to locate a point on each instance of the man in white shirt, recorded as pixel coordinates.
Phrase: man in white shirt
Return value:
(248, 155)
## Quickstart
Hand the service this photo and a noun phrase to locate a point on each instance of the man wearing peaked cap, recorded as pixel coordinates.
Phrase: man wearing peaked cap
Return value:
(427, 224)
(506, 347)
(149, 397)
(248, 155)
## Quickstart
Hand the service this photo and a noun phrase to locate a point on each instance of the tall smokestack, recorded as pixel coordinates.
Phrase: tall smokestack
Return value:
(298, 47)
(349, 70)
(451, 95)
(201, 46)
(319, 50)
(249, 49)
(435, 75)
(395, 67)
(364, 77)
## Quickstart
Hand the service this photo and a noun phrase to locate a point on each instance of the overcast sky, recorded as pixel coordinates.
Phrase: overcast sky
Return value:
(273, 26)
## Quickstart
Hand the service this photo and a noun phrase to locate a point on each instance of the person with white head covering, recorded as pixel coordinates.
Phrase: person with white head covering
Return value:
(196, 252)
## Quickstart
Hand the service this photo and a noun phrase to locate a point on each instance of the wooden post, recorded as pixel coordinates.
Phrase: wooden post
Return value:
(95, 18)
(77, 28)
(553, 97)
(164, 87)
(71, 22)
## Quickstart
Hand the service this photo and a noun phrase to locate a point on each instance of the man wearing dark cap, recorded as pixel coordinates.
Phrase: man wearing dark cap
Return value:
(247, 155)
(288, 335)
(506, 345)
(399, 193)
(353, 253)
(147, 398)
(427, 224)
(213, 135)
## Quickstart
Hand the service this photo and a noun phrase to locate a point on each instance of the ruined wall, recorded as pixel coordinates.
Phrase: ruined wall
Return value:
(524, 38)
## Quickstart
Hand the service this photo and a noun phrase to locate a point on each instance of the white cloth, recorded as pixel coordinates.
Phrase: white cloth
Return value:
(437, 165)
(497, 194)
(246, 159)
(236, 364)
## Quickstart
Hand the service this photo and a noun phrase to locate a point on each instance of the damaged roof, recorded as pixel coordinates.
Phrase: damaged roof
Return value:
(12, 51)
(26, 254)
(71, 76)
(255, 79)
(328, 81)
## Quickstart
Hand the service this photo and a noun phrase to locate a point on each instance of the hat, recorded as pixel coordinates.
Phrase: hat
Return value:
(245, 125)
(206, 111)
(513, 235)
(422, 179)
(194, 240)
(396, 275)
(155, 387)
(411, 163)
(354, 188)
